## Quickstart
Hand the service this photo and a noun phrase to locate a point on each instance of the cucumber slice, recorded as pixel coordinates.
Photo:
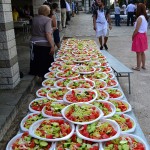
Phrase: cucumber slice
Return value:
(43, 143)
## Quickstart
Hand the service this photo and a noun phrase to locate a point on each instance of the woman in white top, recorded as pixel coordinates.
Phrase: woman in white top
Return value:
(139, 37)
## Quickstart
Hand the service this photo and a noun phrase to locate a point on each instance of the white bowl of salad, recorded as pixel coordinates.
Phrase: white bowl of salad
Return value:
(83, 69)
(82, 113)
(126, 141)
(81, 83)
(99, 131)
(42, 92)
(57, 93)
(52, 129)
(37, 104)
(121, 106)
(107, 108)
(115, 93)
(127, 124)
(80, 95)
(62, 83)
(76, 143)
(28, 120)
(100, 84)
(53, 110)
(49, 82)
(25, 141)
(102, 95)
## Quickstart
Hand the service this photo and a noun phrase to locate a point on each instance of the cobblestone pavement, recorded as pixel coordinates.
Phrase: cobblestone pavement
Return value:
(119, 46)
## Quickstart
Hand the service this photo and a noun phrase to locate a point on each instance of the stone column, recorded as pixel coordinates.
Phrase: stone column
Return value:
(9, 68)
(86, 6)
(36, 5)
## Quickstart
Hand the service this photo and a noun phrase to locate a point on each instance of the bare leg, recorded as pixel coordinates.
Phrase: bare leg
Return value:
(100, 41)
(138, 55)
(58, 45)
(105, 40)
(143, 59)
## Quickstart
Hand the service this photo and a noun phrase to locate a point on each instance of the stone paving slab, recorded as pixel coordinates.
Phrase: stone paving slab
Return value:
(10, 101)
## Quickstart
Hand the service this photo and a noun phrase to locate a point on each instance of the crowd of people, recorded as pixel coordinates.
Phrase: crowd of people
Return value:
(102, 24)
(19, 13)
(45, 35)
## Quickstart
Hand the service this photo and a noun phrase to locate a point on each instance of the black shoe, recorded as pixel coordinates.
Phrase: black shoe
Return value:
(101, 48)
(106, 48)
(21, 75)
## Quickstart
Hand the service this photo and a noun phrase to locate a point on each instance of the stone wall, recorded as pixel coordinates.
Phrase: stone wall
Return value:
(36, 4)
(9, 69)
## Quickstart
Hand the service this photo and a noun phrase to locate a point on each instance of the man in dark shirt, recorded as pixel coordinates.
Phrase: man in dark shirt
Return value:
(63, 13)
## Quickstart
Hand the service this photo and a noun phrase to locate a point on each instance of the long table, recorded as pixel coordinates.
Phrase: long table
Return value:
(138, 131)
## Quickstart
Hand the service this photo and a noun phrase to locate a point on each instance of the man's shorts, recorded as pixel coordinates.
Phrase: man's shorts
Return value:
(104, 33)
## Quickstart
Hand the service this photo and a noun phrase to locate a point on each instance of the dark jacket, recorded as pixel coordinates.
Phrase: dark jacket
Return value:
(62, 3)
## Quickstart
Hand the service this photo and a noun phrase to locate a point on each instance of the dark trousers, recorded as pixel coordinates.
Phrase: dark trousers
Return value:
(117, 19)
(68, 18)
(41, 60)
(130, 17)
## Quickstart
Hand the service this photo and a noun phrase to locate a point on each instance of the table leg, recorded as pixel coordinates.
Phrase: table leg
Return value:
(117, 76)
(129, 83)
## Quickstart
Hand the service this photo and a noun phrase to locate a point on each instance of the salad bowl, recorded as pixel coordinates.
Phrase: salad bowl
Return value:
(80, 95)
(121, 106)
(81, 83)
(19, 142)
(51, 129)
(81, 113)
(37, 104)
(76, 143)
(129, 141)
(127, 124)
(91, 132)
(28, 120)
(53, 110)
(107, 108)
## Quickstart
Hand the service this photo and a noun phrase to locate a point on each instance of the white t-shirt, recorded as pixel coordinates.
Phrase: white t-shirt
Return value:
(144, 24)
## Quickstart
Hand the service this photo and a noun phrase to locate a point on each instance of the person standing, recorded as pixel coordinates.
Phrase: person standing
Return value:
(41, 43)
(56, 24)
(139, 37)
(130, 12)
(124, 8)
(102, 23)
(117, 15)
(15, 14)
(53, 16)
(68, 9)
(73, 8)
(63, 12)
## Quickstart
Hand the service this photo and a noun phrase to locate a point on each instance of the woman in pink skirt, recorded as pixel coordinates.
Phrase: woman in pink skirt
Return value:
(139, 37)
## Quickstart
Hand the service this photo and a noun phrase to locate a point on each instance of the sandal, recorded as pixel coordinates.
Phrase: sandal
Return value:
(143, 68)
(136, 68)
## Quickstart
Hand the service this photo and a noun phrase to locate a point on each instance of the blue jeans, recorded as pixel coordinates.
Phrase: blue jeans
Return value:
(117, 19)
